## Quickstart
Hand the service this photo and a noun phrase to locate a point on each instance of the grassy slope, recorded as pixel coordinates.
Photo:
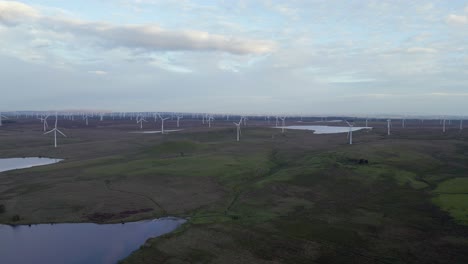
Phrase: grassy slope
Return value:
(323, 207)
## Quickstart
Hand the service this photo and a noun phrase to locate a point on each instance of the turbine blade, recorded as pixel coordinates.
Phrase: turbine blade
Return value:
(49, 131)
(61, 133)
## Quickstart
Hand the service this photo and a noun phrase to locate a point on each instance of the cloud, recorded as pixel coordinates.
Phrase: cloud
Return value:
(147, 37)
(98, 72)
(421, 50)
(457, 19)
(448, 94)
(12, 13)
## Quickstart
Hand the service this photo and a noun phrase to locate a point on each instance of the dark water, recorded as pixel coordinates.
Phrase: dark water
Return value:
(78, 243)
(21, 163)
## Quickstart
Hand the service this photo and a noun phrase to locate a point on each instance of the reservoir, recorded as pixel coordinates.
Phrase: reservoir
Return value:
(78, 243)
(22, 163)
(326, 129)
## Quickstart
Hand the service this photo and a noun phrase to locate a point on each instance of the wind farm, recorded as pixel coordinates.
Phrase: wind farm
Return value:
(158, 174)
(232, 132)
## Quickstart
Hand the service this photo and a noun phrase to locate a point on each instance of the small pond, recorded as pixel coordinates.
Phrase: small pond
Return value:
(22, 163)
(326, 129)
(78, 243)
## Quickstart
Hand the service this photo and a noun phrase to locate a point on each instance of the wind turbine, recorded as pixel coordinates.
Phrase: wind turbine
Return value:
(350, 133)
(366, 122)
(461, 124)
(403, 123)
(443, 125)
(209, 121)
(238, 126)
(282, 122)
(162, 123)
(389, 125)
(55, 130)
(178, 119)
(44, 122)
(276, 124)
(141, 120)
(85, 117)
(2, 116)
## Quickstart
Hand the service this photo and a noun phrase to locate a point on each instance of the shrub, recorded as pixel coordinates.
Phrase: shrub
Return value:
(15, 218)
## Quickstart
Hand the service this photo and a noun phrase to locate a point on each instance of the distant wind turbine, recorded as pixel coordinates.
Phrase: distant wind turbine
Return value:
(162, 123)
(1, 117)
(282, 123)
(44, 122)
(443, 125)
(238, 126)
(178, 119)
(141, 119)
(461, 124)
(389, 125)
(350, 133)
(55, 130)
(210, 118)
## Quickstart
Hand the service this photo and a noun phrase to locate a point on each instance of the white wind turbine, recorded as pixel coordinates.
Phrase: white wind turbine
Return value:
(210, 118)
(350, 133)
(443, 125)
(162, 123)
(389, 125)
(55, 130)
(1, 117)
(44, 122)
(366, 122)
(141, 119)
(238, 126)
(282, 123)
(403, 125)
(178, 119)
(461, 124)
(276, 124)
(85, 117)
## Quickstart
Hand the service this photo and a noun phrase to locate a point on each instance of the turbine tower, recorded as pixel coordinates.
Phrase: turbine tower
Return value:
(350, 133)
(238, 126)
(178, 119)
(209, 121)
(389, 125)
(162, 123)
(55, 130)
(1, 117)
(44, 122)
(141, 119)
(283, 123)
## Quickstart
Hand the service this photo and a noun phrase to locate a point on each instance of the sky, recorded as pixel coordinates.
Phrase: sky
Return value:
(228, 56)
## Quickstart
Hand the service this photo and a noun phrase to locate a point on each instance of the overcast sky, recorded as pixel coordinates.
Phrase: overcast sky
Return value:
(305, 57)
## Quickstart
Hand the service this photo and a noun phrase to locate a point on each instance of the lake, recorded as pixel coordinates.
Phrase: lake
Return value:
(326, 129)
(78, 243)
(22, 163)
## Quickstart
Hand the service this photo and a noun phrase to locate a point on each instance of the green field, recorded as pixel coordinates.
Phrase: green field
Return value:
(271, 198)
